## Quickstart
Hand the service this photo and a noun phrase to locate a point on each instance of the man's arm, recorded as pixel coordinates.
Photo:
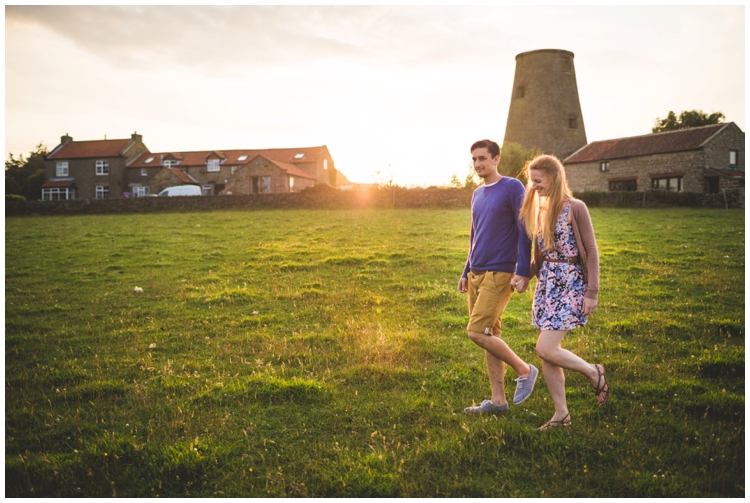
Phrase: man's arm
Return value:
(463, 282)
(524, 245)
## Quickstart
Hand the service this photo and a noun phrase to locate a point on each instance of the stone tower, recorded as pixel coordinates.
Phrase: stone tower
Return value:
(545, 112)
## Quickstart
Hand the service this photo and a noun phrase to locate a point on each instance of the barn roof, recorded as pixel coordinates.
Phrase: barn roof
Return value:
(655, 143)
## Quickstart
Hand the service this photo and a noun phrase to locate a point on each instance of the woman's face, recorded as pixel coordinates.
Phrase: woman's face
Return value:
(539, 182)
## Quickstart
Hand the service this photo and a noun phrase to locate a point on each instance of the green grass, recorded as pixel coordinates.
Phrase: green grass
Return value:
(324, 353)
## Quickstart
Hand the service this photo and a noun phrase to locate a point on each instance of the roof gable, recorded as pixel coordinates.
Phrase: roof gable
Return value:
(655, 143)
(184, 177)
(89, 149)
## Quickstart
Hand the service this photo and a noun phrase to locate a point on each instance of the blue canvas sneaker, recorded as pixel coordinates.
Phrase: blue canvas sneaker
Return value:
(487, 407)
(525, 385)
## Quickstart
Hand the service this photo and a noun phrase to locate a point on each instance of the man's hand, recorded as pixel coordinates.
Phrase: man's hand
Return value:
(520, 283)
(589, 306)
(463, 285)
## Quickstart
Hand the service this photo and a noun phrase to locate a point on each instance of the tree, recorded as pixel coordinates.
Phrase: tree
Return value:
(688, 118)
(470, 182)
(25, 177)
(513, 158)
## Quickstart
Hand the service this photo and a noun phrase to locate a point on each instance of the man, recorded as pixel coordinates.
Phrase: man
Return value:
(498, 261)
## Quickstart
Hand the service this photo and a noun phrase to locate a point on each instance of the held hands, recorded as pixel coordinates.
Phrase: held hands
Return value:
(589, 306)
(519, 283)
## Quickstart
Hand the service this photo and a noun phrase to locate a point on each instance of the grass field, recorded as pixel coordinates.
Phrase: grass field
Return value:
(324, 353)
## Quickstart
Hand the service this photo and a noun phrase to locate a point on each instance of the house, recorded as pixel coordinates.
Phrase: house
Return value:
(265, 176)
(92, 169)
(119, 168)
(285, 169)
(703, 159)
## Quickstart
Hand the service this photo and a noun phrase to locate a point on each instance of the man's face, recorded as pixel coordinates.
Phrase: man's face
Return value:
(484, 164)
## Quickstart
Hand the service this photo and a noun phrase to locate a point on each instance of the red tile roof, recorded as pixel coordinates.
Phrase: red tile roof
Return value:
(58, 182)
(88, 149)
(655, 143)
(231, 157)
(293, 170)
(184, 177)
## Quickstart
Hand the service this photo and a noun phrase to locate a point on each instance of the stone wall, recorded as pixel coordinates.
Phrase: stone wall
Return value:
(734, 198)
(327, 198)
(589, 176)
(717, 150)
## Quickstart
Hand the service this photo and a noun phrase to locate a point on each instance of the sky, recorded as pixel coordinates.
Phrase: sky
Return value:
(397, 93)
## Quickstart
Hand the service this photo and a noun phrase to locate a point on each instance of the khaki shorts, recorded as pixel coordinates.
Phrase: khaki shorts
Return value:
(489, 293)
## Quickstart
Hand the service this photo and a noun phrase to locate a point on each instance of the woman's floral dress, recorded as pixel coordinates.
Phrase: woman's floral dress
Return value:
(558, 299)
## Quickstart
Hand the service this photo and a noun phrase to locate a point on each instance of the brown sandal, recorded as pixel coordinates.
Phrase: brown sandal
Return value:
(601, 388)
(555, 424)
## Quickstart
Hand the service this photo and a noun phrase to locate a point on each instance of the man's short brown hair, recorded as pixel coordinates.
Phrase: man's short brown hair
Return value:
(492, 147)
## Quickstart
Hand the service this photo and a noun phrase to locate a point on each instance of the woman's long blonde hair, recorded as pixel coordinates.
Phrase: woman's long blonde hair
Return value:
(545, 210)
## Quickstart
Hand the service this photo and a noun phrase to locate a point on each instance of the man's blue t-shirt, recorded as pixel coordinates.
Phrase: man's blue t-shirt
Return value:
(498, 238)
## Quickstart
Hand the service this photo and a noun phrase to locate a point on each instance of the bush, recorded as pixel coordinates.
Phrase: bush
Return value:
(14, 197)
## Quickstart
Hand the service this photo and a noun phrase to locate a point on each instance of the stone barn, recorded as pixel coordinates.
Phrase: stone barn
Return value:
(703, 159)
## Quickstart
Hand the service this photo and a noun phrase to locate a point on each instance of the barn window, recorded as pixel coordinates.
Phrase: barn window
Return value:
(623, 185)
(673, 184)
(604, 166)
(733, 157)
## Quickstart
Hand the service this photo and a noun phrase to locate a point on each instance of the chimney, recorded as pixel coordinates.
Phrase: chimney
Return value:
(65, 139)
(136, 137)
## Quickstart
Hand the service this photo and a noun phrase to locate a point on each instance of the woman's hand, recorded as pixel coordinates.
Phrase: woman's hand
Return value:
(589, 306)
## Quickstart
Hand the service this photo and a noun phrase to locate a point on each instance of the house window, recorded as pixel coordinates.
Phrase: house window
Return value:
(148, 160)
(169, 163)
(141, 191)
(623, 185)
(213, 165)
(520, 91)
(234, 168)
(102, 192)
(242, 158)
(55, 194)
(300, 155)
(673, 184)
(573, 123)
(61, 168)
(733, 157)
(206, 190)
(291, 183)
(144, 171)
(604, 166)
(325, 163)
(102, 168)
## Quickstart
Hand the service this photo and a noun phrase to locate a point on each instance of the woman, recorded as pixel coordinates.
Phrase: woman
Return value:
(566, 263)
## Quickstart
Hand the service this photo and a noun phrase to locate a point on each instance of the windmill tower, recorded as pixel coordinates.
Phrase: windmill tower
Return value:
(545, 112)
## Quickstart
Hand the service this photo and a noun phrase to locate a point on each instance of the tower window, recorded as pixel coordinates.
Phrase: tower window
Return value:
(573, 123)
(520, 91)
(566, 66)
